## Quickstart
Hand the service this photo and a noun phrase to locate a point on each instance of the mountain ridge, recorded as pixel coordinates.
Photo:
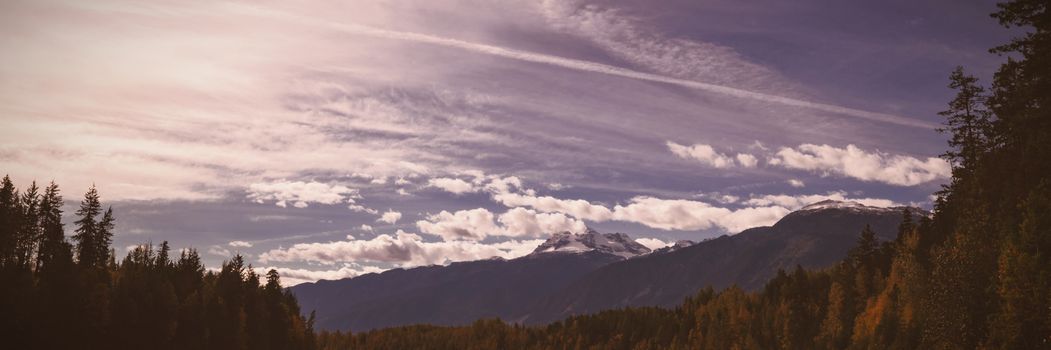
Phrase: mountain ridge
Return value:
(588, 272)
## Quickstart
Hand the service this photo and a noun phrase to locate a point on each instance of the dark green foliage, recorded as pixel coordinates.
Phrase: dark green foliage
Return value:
(52, 298)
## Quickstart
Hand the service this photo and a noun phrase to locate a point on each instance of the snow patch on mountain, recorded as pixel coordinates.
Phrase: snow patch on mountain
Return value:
(678, 245)
(611, 243)
(845, 205)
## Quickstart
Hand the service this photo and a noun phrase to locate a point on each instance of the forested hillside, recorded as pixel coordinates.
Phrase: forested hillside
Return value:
(58, 294)
(975, 276)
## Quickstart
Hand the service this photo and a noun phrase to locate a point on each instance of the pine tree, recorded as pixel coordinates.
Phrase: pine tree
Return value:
(10, 215)
(163, 261)
(967, 121)
(87, 230)
(52, 244)
(29, 230)
(16, 288)
(57, 281)
(104, 237)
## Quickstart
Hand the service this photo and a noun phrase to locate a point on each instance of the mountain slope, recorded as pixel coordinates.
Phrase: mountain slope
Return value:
(461, 292)
(816, 236)
(584, 273)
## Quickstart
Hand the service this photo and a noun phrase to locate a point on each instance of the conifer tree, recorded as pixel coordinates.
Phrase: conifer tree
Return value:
(9, 221)
(87, 229)
(104, 238)
(52, 244)
(29, 230)
(967, 121)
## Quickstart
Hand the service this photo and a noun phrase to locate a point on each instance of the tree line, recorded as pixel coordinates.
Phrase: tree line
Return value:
(975, 275)
(73, 293)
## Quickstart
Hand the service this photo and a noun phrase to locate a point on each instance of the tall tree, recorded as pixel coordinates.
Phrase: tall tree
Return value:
(29, 230)
(104, 238)
(52, 242)
(87, 229)
(967, 121)
(9, 218)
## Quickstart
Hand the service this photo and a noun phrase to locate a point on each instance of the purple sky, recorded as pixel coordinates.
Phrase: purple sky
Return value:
(330, 140)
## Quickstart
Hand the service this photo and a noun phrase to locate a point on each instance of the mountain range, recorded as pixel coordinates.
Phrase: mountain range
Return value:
(589, 272)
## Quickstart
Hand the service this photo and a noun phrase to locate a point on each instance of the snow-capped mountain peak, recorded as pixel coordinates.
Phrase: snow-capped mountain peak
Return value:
(611, 243)
(678, 245)
(845, 205)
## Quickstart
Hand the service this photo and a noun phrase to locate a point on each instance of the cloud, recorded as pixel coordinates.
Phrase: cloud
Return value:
(708, 156)
(365, 227)
(758, 146)
(798, 201)
(796, 183)
(507, 184)
(664, 214)
(219, 251)
(362, 209)
(522, 222)
(554, 186)
(239, 244)
(402, 249)
(827, 160)
(291, 276)
(477, 224)
(678, 214)
(262, 218)
(728, 199)
(593, 67)
(300, 194)
(747, 160)
(653, 243)
(859, 164)
(703, 153)
(390, 216)
(578, 208)
(474, 224)
(452, 185)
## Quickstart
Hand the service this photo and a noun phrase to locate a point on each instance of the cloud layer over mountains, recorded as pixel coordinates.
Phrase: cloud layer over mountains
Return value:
(451, 130)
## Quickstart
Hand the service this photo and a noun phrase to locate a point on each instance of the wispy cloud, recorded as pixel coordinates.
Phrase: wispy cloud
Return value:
(403, 249)
(595, 67)
(300, 194)
(293, 276)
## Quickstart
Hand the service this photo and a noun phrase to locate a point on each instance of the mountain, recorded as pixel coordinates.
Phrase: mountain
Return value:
(815, 236)
(465, 291)
(589, 272)
(618, 244)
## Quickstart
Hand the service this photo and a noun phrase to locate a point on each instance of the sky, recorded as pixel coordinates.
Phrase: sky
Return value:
(332, 139)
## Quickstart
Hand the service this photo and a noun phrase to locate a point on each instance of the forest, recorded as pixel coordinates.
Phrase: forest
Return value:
(974, 275)
(74, 294)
